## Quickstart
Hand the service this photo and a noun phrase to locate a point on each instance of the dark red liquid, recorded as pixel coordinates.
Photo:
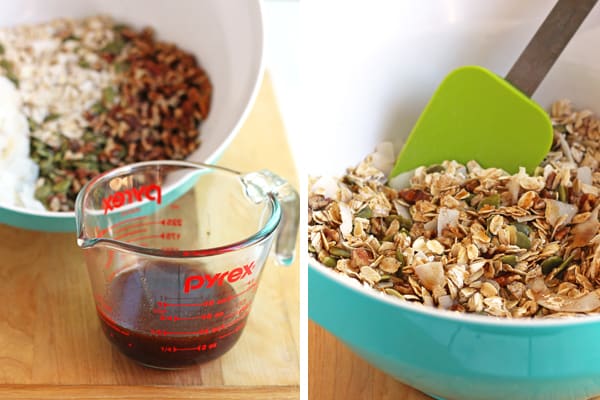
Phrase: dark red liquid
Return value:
(147, 315)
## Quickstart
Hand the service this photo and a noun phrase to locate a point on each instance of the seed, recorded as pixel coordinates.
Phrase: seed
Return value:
(393, 292)
(562, 193)
(329, 262)
(114, 48)
(509, 259)
(121, 67)
(62, 186)
(51, 117)
(523, 228)
(83, 63)
(339, 252)
(108, 95)
(556, 271)
(435, 168)
(405, 223)
(364, 212)
(400, 256)
(492, 200)
(550, 263)
(523, 241)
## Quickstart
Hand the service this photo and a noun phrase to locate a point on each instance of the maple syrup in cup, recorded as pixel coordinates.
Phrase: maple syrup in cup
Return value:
(174, 252)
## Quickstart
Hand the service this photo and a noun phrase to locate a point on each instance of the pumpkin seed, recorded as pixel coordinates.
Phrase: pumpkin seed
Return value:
(115, 47)
(523, 241)
(550, 263)
(562, 193)
(108, 95)
(364, 212)
(83, 63)
(400, 257)
(435, 168)
(558, 270)
(43, 191)
(339, 252)
(491, 200)
(51, 117)
(523, 228)
(71, 37)
(121, 67)
(393, 292)
(98, 108)
(62, 186)
(329, 262)
(509, 259)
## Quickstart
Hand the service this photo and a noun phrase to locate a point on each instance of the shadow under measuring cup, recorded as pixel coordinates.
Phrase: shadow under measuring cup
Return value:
(175, 251)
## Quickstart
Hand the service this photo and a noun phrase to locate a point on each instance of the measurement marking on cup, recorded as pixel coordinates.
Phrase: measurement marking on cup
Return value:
(164, 303)
(237, 329)
(144, 230)
(243, 305)
(200, 347)
(208, 303)
(102, 232)
(164, 222)
(164, 236)
(201, 331)
(204, 317)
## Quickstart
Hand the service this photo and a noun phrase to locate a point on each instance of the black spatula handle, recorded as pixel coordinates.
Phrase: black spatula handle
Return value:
(548, 42)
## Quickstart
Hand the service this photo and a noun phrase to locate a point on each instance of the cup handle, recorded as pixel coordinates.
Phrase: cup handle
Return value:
(262, 182)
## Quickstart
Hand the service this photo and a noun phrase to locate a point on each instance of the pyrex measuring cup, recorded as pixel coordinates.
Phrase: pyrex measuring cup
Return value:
(174, 252)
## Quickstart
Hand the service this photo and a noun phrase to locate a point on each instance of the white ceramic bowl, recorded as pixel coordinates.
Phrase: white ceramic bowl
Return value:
(225, 35)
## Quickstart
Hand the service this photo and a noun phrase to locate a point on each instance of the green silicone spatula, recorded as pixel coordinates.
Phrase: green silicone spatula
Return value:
(476, 115)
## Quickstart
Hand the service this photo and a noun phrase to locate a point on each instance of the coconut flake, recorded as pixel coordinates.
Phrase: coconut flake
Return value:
(586, 230)
(346, 215)
(401, 180)
(326, 186)
(447, 217)
(431, 274)
(584, 174)
(558, 211)
(586, 303)
(383, 157)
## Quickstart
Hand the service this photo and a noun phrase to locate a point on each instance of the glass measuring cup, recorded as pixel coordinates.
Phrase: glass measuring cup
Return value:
(174, 252)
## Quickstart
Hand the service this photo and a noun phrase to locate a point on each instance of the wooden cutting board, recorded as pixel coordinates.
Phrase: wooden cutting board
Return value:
(51, 345)
(335, 372)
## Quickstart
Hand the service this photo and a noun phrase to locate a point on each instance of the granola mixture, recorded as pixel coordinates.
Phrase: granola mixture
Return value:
(472, 239)
(98, 95)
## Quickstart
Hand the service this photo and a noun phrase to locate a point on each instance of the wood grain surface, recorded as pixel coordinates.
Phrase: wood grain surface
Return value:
(51, 345)
(335, 372)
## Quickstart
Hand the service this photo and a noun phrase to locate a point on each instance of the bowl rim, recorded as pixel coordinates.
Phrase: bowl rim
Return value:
(450, 316)
(213, 157)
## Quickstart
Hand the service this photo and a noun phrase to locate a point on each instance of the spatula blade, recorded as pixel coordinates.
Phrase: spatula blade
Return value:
(476, 115)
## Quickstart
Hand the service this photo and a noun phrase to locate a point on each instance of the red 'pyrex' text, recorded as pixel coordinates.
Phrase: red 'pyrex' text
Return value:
(118, 199)
(195, 282)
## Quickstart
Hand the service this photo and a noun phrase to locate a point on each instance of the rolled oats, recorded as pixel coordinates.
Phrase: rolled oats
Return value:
(98, 95)
(474, 239)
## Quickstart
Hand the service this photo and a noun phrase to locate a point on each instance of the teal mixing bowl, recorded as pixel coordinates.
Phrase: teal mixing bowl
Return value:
(456, 356)
(383, 63)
